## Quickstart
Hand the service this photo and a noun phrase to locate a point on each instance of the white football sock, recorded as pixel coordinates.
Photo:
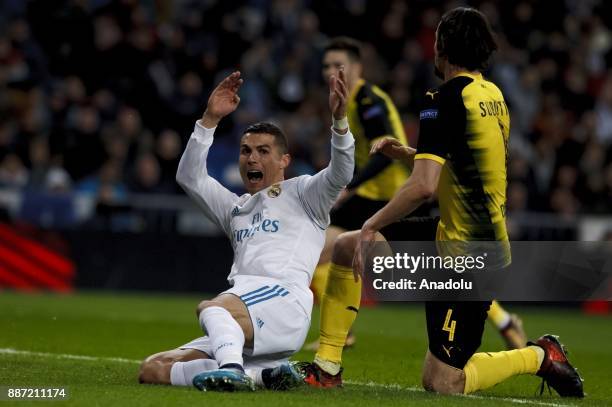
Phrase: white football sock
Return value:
(182, 373)
(226, 335)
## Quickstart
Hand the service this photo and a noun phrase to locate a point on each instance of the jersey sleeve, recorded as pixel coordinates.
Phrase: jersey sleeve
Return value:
(319, 192)
(436, 121)
(215, 200)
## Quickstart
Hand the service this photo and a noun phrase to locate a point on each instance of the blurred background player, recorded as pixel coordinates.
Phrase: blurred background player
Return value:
(277, 231)
(462, 154)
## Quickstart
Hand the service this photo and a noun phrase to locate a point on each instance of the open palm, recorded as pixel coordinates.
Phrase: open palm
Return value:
(338, 94)
(224, 99)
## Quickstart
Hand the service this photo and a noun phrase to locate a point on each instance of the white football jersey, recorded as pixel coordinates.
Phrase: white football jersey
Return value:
(277, 233)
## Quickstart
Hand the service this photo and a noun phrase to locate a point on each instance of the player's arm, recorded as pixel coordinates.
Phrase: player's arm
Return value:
(192, 175)
(319, 192)
(393, 149)
(428, 160)
(375, 165)
(421, 186)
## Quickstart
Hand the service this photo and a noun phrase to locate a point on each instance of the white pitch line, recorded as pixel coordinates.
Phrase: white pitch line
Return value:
(394, 386)
(390, 386)
(9, 351)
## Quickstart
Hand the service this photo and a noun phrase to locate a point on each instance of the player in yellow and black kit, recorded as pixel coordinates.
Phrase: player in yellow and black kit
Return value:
(372, 118)
(462, 154)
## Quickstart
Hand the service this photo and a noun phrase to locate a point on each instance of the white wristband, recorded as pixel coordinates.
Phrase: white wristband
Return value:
(341, 124)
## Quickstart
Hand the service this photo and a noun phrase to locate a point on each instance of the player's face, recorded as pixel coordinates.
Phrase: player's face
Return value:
(333, 60)
(261, 161)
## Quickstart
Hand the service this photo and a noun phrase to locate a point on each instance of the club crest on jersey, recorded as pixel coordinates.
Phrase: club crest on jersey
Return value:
(274, 191)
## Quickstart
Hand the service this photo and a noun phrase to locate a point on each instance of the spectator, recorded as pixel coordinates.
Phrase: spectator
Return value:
(85, 84)
(168, 151)
(147, 175)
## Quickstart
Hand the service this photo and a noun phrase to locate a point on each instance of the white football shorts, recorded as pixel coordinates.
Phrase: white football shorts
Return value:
(280, 324)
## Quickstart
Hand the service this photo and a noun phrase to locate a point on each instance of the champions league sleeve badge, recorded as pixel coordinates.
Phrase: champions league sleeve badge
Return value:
(274, 191)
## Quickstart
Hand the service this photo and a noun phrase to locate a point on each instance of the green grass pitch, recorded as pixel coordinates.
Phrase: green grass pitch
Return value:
(91, 343)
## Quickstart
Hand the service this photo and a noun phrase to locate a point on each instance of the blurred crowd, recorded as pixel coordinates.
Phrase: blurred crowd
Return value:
(100, 96)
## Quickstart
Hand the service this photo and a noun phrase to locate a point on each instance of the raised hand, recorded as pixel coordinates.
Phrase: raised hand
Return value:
(223, 100)
(338, 94)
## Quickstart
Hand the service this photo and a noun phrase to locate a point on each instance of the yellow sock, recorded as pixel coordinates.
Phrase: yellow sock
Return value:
(339, 308)
(484, 370)
(498, 316)
(319, 281)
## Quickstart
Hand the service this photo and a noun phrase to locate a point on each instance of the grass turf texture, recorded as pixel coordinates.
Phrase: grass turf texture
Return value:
(390, 349)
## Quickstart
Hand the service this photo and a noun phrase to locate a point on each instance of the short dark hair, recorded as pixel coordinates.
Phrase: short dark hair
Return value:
(268, 128)
(465, 38)
(349, 45)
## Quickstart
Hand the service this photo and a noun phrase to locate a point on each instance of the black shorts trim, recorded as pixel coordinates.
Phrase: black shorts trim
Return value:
(353, 213)
(414, 229)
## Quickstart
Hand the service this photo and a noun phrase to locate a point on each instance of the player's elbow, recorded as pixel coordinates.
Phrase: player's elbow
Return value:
(425, 190)
(346, 180)
(347, 176)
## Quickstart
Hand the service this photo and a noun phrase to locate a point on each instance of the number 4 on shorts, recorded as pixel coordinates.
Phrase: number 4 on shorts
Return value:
(449, 326)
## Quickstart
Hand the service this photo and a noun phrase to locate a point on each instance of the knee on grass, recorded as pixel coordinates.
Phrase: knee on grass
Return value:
(444, 385)
(155, 369)
(444, 381)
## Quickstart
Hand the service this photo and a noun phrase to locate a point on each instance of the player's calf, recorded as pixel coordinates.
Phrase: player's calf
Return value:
(157, 368)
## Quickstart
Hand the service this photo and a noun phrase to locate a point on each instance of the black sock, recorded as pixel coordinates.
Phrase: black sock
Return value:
(234, 366)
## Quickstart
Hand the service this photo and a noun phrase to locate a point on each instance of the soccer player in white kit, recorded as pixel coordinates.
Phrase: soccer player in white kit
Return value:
(277, 231)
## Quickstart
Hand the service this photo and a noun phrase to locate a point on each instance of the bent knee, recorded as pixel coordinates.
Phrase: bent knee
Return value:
(206, 304)
(344, 248)
(153, 371)
(443, 385)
